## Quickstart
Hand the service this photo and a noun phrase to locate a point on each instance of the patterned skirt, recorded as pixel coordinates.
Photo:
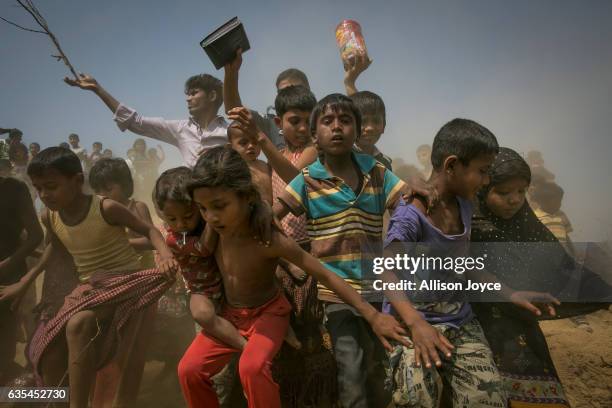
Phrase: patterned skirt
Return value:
(129, 292)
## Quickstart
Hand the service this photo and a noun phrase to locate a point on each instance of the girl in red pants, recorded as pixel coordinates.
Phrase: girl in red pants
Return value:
(221, 185)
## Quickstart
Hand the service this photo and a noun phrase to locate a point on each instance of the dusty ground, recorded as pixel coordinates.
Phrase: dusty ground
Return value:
(583, 357)
(582, 352)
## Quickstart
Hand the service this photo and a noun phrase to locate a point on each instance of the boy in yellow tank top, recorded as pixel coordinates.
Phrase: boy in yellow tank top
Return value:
(112, 287)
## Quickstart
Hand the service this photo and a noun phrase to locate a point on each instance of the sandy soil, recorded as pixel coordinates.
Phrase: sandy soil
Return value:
(582, 352)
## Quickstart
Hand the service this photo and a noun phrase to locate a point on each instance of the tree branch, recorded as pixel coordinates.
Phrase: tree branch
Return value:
(23, 28)
(29, 6)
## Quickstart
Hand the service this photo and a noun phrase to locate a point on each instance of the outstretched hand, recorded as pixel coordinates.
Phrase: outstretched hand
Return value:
(386, 327)
(85, 81)
(535, 302)
(428, 344)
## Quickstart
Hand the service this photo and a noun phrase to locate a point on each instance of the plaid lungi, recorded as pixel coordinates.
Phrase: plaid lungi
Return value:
(128, 291)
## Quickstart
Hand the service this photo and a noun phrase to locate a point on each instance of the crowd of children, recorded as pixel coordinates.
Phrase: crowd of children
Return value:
(275, 257)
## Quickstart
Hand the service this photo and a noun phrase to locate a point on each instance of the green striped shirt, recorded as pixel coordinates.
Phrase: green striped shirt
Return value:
(345, 228)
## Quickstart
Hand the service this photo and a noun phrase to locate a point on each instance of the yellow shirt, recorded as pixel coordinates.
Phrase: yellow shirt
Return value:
(94, 244)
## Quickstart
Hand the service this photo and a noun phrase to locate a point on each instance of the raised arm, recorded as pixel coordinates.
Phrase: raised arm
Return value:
(231, 95)
(127, 118)
(281, 165)
(89, 83)
(353, 70)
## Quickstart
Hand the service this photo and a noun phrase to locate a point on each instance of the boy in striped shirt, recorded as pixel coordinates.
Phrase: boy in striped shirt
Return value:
(344, 195)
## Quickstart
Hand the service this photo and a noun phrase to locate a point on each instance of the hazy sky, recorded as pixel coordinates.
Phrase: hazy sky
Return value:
(536, 73)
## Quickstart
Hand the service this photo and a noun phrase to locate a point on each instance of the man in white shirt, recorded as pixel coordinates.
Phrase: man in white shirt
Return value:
(203, 130)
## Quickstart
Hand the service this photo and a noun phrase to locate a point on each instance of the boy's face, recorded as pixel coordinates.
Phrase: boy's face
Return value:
(222, 209)
(56, 190)
(74, 141)
(372, 128)
(467, 180)
(295, 125)
(246, 148)
(505, 199)
(113, 191)
(34, 149)
(199, 101)
(424, 157)
(180, 216)
(97, 147)
(336, 132)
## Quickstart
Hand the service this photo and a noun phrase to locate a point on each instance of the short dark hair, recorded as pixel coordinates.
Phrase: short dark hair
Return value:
(55, 158)
(463, 138)
(97, 143)
(336, 102)
(111, 170)
(294, 97)
(35, 144)
(207, 83)
(293, 73)
(370, 104)
(172, 185)
(74, 135)
(547, 191)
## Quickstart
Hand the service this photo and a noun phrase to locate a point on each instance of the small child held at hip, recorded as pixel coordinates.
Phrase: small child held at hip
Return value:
(193, 246)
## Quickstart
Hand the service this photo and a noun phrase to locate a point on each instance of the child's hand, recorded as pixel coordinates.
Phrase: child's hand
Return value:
(85, 81)
(534, 301)
(13, 293)
(234, 65)
(168, 266)
(386, 327)
(245, 120)
(355, 66)
(428, 343)
(420, 188)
